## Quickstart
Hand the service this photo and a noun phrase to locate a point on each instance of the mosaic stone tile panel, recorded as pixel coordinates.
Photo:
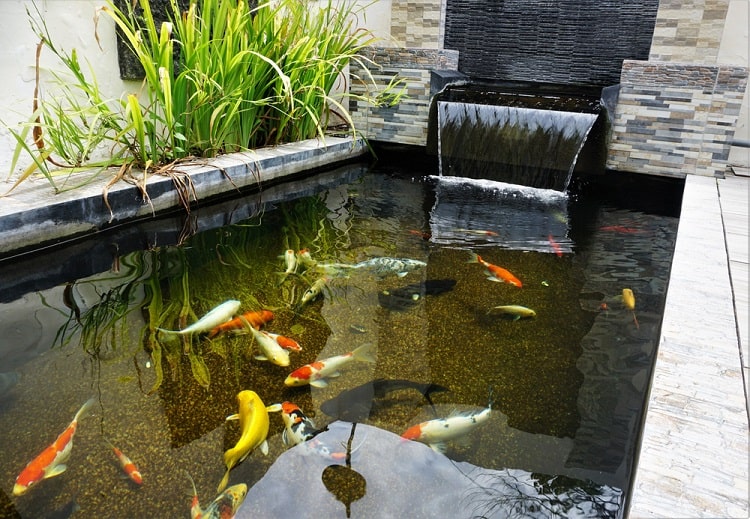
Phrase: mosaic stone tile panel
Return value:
(674, 119)
(405, 123)
(416, 23)
(689, 30)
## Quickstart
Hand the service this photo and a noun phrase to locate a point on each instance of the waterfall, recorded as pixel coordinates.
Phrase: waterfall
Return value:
(516, 145)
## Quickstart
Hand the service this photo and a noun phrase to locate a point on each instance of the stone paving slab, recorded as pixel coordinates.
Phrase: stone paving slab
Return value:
(694, 454)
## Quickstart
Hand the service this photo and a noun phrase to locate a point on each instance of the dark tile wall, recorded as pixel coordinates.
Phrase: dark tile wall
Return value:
(579, 42)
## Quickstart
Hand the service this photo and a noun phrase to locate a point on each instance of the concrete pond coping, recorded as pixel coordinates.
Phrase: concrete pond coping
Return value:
(34, 216)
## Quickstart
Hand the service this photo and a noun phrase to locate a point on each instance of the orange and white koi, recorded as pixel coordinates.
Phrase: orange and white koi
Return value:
(496, 273)
(285, 342)
(315, 373)
(51, 461)
(212, 319)
(290, 262)
(255, 318)
(305, 259)
(127, 465)
(437, 432)
(270, 349)
(254, 425)
(225, 505)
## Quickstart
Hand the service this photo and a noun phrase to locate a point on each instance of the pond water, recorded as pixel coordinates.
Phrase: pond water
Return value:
(566, 386)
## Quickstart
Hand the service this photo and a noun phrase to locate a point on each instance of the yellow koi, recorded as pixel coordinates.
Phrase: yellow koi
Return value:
(254, 424)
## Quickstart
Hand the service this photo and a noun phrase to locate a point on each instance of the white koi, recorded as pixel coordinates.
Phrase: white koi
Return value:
(211, 320)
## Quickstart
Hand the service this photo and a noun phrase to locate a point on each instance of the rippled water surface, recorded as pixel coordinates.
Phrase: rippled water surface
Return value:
(566, 387)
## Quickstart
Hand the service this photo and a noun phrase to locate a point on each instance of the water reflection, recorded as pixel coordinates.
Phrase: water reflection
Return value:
(405, 476)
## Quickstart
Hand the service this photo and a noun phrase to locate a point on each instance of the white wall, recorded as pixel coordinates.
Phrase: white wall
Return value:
(71, 25)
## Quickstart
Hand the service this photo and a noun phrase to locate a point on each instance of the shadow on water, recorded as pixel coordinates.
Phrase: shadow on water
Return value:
(568, 383)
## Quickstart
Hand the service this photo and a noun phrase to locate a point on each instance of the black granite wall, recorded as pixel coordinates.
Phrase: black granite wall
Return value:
(570, 42)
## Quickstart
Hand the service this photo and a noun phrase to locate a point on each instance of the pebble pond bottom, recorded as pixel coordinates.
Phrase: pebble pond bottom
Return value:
(509, 330)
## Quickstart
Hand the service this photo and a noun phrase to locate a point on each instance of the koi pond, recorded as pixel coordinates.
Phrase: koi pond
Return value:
(503, 343)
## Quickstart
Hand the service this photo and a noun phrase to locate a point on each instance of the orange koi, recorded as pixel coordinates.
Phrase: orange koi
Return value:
(51, 461)
(496, 273)
(621, 229)
(128, 466)
(422, 234)
(256, 320)
(555, 246)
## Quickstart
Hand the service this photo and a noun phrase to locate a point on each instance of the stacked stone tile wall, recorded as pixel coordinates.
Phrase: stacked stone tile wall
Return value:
(674, 119)
(688, 31)
(405, 123)
(416, 23)
(677, 112)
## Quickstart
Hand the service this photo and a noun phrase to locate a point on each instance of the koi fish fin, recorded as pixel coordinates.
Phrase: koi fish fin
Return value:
(260, 357)
(464, 441)
(401, 274)
(264, 447)
(273, 408)
(56, 470)
(321, 382)
(493, 278)
(285, 438)
(174, 332)
(232, 417)
(439, 447)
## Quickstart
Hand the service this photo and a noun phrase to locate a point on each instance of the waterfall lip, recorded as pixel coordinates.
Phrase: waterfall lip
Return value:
(505, 188)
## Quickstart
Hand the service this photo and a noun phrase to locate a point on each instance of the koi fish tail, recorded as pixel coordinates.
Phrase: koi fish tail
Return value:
(474, 257)
(283, 276)
(433, 388)
(84, 408)
(192, 482)
(224, 481)
(364, 353)
(491, 397)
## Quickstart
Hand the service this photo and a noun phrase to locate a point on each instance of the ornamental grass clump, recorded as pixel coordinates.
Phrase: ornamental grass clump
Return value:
(220, 77)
